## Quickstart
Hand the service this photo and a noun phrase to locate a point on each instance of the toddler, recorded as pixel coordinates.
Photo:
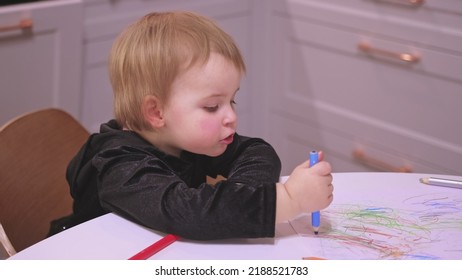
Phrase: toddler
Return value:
(175, 76)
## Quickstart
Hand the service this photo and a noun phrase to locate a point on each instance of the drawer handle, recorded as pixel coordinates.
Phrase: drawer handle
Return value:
(22, 25)
(408, 2)
(416, 2)
(360, 156)
(406, 57)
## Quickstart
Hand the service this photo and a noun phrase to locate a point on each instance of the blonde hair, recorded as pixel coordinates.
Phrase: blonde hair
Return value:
(150, 53)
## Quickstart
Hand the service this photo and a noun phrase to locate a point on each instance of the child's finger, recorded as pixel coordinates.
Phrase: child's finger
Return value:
(321, 155)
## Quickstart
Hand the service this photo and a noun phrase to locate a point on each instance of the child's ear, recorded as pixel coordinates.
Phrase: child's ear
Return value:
(152, 111)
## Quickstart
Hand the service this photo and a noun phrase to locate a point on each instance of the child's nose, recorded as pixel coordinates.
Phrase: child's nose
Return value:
(230, 117)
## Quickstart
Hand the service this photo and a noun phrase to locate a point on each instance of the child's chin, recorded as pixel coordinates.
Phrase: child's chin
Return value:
(216, 153)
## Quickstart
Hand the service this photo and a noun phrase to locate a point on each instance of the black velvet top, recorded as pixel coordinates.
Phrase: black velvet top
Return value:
(118, 171)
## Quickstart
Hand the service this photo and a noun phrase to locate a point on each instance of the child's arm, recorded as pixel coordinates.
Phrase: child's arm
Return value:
(140, 187)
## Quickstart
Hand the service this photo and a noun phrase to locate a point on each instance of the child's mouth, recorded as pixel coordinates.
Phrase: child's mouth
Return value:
(228, 140)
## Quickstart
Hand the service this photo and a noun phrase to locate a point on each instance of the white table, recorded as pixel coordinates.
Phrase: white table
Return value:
(373, 216)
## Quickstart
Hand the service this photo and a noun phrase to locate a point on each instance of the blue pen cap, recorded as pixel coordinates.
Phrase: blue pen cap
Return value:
(313, 158)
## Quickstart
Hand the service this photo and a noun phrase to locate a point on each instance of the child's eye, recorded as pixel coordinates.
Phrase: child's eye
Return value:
(211, 109)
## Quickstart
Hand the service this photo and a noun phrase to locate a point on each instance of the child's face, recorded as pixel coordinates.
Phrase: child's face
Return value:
(200, 115)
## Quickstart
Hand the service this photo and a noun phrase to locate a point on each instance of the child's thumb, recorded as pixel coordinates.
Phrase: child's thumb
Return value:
(322, 168)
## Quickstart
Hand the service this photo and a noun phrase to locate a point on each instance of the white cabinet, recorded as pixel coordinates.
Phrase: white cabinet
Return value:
(105, 19)
(367, 107)
(40, 57)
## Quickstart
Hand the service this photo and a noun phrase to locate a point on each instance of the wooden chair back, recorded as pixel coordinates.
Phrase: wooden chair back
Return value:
(35, 150)
(7, 249)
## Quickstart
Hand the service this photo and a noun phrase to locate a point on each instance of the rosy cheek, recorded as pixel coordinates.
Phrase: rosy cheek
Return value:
(209, 126)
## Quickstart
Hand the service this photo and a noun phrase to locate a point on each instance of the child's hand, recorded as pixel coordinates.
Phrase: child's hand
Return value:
(306, 190)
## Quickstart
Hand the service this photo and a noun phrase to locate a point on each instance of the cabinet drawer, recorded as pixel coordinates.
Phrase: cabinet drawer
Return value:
(297, 136)
(422, 98)
(430, 61)
(435, 23)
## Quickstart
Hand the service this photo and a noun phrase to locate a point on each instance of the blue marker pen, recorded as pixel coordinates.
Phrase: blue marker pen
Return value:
(315, 216)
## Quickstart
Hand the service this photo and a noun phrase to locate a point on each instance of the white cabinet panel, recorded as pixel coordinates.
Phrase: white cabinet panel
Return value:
(40, 65)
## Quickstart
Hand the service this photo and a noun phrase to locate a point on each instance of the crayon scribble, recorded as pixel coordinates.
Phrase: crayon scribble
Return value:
(424, 227)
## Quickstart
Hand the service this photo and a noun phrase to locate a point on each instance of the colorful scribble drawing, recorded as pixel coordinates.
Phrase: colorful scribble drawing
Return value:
(423, 227)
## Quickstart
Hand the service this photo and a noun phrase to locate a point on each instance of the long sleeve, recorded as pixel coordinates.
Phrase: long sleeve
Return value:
(161, 193)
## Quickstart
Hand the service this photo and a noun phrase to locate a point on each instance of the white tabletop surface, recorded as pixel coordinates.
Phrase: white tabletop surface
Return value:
(112, 237)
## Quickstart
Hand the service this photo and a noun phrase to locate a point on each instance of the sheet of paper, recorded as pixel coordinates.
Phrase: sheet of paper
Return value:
(392, 222)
